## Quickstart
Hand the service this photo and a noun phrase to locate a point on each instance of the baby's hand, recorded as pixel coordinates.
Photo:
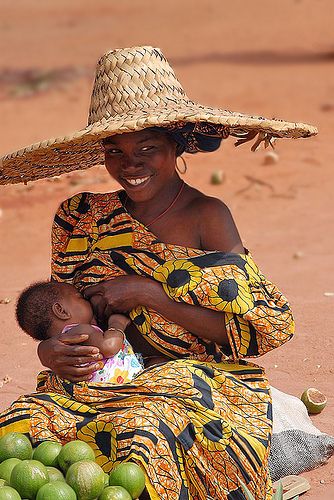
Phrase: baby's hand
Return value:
(118, 321)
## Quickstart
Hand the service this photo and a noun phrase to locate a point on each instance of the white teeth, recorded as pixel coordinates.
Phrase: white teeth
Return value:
(136, 182)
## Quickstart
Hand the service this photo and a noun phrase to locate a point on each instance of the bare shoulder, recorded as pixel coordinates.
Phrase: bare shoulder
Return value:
(217, 228)
(208, 205)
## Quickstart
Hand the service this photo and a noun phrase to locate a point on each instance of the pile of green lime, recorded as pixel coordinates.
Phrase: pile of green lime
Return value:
(51, 471)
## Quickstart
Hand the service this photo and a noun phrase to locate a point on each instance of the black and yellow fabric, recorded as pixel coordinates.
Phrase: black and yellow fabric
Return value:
(199, 424)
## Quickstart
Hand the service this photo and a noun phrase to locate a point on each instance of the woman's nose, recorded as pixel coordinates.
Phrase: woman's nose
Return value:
(130, 162)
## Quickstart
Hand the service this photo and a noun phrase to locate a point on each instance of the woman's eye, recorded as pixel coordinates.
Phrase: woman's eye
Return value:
(147, 148)
(112, 151)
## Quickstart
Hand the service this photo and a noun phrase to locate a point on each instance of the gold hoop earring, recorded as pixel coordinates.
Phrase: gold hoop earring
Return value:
(184, 169)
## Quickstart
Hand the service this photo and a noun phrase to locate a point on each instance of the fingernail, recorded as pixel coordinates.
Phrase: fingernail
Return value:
(95, 351)
(99, 366)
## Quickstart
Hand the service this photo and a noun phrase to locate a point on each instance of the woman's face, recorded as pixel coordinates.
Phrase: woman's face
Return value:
(142, 162)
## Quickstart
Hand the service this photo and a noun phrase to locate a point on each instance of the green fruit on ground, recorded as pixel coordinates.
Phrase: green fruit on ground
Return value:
(6, 468)
(54, 474)
(56, 491)
(86, 478)
(47, 453)
(130, 476)
(28, 477)
(15, 445)
(8, 493)
(106, 479)
(72, 452)
(314, 400)
(217, 177)
(115, 493)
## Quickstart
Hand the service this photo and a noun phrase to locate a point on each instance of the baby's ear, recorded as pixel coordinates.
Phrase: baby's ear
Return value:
(59, 311)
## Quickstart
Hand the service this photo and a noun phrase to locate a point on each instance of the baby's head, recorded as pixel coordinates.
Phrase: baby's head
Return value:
(44, 308)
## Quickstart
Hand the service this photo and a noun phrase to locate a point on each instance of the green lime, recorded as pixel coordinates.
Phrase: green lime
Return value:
(314, 400)
(47, 453)
(8, 493)
(74, 451)
(217, 177)
(6, 468)
(54, 474)
(86, 478)
(115, 493)
(15, 445)
(130, 476)
(58, 490)
(28, 477)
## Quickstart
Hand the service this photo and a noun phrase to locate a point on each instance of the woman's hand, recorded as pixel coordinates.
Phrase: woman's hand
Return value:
(119, 295)
(64, 357)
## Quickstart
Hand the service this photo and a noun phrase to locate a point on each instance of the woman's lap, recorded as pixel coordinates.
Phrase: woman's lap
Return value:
(197, 428)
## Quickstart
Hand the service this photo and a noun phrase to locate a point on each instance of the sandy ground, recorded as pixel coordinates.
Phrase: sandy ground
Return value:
(267, 58)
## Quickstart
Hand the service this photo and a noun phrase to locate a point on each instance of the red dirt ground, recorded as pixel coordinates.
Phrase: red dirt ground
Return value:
(266, 58)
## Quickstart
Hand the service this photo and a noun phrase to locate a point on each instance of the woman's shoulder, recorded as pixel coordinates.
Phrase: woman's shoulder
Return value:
(207, 206)
(215, 223)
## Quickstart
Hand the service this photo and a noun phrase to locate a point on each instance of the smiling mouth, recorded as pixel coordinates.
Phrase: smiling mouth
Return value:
(136, 181)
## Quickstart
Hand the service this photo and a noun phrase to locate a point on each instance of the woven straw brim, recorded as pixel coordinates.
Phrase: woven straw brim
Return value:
(82, 149)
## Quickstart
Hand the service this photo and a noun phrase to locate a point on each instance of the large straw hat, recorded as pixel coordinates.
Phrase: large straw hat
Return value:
(135, 88)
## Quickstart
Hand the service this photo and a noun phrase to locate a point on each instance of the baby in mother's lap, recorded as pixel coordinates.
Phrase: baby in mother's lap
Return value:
(49, 309)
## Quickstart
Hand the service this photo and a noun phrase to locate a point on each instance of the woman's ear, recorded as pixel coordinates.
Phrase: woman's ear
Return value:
(59, 311)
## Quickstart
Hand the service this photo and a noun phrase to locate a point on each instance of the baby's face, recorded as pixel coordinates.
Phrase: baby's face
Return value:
(80, 309)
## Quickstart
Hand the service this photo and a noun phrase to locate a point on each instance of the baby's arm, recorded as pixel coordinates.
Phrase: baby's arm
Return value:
(108, 342)
(114, 336)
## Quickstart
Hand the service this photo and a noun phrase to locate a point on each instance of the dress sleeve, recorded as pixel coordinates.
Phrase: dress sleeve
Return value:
(71, 238)
(266, 324)
(258, 317)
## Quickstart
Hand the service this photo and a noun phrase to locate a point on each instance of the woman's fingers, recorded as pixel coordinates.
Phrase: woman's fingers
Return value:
(84, 360)
(79, 373)
(77, 350)
(68, 338)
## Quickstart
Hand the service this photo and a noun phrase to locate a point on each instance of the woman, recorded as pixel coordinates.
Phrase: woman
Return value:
(198, 419)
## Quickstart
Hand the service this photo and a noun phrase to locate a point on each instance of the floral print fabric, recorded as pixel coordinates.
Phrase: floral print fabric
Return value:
(199, 424)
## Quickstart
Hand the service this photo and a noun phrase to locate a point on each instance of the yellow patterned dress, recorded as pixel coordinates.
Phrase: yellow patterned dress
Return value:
(199, 424)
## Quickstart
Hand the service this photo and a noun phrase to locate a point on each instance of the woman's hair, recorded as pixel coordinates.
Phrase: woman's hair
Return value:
(34, 308)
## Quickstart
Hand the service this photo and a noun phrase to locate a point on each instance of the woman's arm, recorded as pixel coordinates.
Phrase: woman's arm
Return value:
(127, 292)
(200, 321)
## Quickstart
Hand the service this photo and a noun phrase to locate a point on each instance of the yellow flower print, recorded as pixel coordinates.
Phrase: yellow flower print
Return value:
(101, 437)
(121, 376)
(178, 277)
(212, 433)
(74, 202)
(141, 319)
(232, 296)
(251, 269)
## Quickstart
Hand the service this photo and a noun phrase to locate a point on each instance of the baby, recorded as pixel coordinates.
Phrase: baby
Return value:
(48, 308)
